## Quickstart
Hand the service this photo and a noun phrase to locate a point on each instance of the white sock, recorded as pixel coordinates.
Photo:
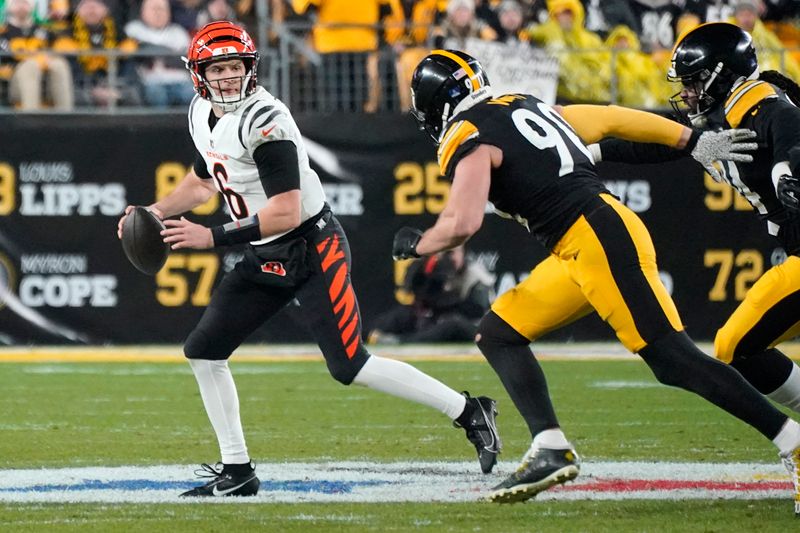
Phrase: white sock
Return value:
(222, 405)
(788, 437)
(551, 438)
(405, 381)
(788, 394)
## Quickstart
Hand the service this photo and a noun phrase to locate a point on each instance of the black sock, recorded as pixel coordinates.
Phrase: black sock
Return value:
(238, 469)
(511, 358)
(765, 371)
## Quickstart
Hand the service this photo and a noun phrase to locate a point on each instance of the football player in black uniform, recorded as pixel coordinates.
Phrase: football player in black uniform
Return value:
(529, 159)
(722, 88)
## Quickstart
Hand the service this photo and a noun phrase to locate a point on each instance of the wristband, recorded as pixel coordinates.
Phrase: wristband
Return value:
(692, 142)
(236, 232)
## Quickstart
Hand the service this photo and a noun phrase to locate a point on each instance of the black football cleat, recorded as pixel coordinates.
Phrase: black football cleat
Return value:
(224, 483)
(482, 431)
(541, 469)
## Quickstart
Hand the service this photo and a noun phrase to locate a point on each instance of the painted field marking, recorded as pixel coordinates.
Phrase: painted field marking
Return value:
(397, 482)
(590, 351)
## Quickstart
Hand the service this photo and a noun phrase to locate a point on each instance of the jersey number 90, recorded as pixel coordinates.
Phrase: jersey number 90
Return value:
(552, 132)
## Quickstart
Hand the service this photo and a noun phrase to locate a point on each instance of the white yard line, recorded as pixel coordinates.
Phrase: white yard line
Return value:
(397, 482)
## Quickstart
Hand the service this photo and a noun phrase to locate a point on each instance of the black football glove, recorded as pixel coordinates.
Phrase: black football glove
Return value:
(405, 243)
(789, 192)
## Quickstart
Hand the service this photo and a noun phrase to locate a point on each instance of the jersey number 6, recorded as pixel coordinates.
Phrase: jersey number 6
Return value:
(235, 202)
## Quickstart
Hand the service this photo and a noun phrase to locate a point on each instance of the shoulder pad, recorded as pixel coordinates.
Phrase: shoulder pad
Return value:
(744, 98)
(456, 135)
(255, 118)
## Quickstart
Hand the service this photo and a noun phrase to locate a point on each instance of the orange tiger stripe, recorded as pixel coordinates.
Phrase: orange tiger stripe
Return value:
(348, 331)
(348, 303)
(324, 244)
(335, 290)
(340, 289)
(351, 348)
(334, 254)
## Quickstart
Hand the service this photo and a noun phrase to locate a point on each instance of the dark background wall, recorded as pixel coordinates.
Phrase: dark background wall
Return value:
(64, 181)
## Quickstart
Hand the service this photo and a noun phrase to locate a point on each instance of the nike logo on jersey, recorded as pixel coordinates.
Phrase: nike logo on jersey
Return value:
(264, 133)
(273, 267)
(216, 492)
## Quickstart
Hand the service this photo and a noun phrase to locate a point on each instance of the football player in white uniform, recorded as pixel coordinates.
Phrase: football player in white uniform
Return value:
(250, 150)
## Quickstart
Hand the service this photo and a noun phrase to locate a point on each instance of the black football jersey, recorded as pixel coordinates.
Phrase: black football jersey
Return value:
(763, 108)
(547, 179)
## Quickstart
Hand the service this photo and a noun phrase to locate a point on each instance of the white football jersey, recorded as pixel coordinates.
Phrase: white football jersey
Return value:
(228, 153)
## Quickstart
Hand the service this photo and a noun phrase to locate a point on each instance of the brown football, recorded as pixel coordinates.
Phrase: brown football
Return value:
(142, 241)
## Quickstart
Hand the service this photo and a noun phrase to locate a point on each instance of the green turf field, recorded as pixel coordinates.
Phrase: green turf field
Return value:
(105, 414)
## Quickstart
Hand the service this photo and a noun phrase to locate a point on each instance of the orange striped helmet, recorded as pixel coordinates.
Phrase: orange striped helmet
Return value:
(221, 41)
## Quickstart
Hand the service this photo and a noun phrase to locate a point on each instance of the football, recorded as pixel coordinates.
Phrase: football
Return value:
(142, 241)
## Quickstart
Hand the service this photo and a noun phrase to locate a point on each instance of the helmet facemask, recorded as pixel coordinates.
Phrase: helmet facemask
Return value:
(694, 101)
(429, 127)
(215, 90)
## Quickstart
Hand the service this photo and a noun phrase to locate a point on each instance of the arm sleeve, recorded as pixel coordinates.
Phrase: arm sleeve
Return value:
(277, 166)
(200, 167)
(618, 150)
(595, 122)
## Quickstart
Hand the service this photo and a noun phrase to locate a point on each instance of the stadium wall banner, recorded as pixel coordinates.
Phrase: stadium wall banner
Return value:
(65, 181)
(515, 67)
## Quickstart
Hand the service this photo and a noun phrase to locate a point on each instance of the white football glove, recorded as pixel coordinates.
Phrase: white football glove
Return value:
(726, 145)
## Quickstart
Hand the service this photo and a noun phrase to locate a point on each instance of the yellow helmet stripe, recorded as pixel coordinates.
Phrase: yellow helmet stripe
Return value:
(476, 83)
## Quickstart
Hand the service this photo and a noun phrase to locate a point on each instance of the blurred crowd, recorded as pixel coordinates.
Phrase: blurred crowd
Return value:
(607, 50)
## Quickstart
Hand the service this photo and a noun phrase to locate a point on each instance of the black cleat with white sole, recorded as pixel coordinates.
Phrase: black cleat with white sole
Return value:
(481, 430)
(540, 470)
(224, 482)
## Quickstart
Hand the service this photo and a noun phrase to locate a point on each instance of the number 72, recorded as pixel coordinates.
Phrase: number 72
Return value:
(751, 267)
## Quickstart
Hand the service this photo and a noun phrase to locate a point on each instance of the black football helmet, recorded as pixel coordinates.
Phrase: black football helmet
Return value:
(710, 59)
(440, 82)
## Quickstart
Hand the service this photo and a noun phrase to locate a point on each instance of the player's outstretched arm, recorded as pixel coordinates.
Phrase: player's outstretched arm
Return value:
(463, 214)
(595, 122)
